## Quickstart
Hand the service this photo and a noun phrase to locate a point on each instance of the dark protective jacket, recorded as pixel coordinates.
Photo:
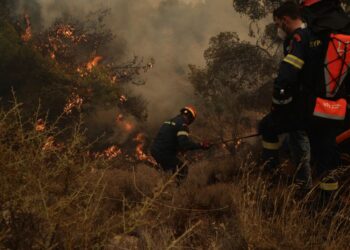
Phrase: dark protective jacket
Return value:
(300, 71)
(173, 137)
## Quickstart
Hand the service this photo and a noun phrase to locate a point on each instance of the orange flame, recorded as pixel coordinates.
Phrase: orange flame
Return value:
(119, 118)
(128, 126)
(27, 35)
(66, 31)
(139, 151)
(93, 63)
(112, 152)
(40, 125)
(75, 101)
(49, 145)
(123, 99)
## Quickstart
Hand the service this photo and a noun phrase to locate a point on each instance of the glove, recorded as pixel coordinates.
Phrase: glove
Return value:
(206, 145)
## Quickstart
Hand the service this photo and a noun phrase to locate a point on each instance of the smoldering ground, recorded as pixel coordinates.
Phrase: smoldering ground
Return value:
(173, 32)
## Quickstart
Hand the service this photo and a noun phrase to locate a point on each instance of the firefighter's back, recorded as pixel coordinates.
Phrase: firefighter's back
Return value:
(165, 141)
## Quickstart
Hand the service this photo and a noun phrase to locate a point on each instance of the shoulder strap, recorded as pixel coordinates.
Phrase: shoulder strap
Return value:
(337, 63)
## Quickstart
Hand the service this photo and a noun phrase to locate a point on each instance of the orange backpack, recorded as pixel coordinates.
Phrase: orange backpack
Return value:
(333, 104)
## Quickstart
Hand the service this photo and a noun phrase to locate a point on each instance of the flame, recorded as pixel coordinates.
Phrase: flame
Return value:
(128, 126)
(123, 99)
(93, 63)
(75, 101)
(114, 79)
(52, 55)
(49, 145)
(66, 31)
(112, 152)
(40, 125)
(27, 35)
(119, 118)
(139, 151)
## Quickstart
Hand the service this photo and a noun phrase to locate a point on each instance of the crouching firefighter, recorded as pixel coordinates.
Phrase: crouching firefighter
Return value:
(173, 138)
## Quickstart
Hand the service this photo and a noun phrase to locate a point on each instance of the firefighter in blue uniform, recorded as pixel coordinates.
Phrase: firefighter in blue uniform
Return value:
(172, 138)
(286, 115)
(299, 96)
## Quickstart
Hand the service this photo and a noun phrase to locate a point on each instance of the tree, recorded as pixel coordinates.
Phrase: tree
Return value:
(234, 71)
(258, 9)
(67, 68)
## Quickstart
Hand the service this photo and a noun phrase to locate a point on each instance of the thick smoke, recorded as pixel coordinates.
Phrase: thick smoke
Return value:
(174, 32)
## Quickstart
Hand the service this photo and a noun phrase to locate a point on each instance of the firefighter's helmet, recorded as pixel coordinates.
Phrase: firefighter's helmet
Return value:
(189, 110)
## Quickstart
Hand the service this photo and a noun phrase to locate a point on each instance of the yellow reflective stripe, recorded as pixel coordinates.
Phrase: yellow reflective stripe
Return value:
(271, 145)
(295, 61)
(329, 186)
(182, 133)
(170, 123)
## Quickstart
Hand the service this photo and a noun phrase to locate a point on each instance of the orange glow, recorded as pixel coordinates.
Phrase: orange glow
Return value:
(49, 144)
(114, 79)
(27, 35)
(66, 31)
(112, 152)
(74, 102)
(123, 99)
(119, 118)
(128, 126)
(93, 63)
(40, 125)
(139, 151)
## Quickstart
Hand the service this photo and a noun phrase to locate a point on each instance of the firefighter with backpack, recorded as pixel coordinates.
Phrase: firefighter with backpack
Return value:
(309, 93)
(327, 19)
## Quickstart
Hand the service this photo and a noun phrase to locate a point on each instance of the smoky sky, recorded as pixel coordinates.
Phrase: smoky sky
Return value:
(174, 32)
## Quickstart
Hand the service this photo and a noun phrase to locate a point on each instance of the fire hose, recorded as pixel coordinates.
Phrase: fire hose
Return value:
(236, 139)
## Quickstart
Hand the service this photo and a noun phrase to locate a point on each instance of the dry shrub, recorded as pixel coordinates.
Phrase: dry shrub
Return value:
(63, 199)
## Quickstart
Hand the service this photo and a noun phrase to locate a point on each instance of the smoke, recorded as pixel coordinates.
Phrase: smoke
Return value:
(174, 32)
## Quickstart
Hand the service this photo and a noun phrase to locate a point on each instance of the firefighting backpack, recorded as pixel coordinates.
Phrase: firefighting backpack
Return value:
(327, 18)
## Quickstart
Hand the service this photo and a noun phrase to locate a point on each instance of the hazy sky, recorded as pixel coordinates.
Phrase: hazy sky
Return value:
(174, 32)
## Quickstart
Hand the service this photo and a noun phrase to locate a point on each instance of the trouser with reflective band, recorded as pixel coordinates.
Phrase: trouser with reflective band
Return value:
(325, 152)
(270, 127)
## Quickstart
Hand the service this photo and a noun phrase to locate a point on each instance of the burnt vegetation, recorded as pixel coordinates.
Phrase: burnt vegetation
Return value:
(75, 173)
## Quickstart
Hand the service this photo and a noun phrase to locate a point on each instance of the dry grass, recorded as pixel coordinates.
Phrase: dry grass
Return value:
(63, 199)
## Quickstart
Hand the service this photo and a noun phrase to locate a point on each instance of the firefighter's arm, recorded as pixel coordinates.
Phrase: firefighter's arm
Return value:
(185, 143)
(286, 82)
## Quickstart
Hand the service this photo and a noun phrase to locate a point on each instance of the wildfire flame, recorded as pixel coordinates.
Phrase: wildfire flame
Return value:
(93, 63)
(112, 152)
(27, 35)
(139, 151)
(123, 99)
(66, 31)
(127, 126)
(49, 145)
(52, 55)
(75, 101)
(40, 125)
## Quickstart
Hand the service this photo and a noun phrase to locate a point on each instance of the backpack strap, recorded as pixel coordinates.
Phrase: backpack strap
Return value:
(337, 63)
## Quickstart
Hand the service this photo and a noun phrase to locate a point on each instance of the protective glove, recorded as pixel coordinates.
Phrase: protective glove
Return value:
(206, 145)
